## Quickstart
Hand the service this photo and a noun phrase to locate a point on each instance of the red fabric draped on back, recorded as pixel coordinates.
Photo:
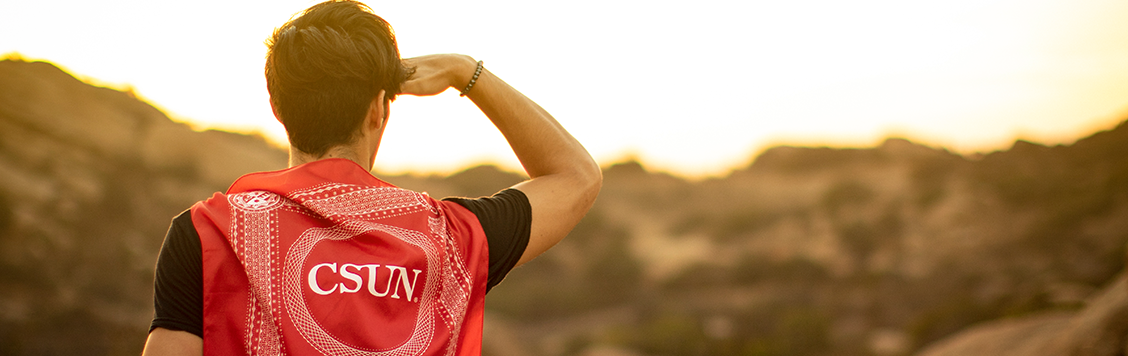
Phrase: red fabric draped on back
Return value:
(324, 258)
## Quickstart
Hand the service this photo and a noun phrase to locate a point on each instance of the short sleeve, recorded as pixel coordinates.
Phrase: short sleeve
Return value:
(506, 218)
(178, 287)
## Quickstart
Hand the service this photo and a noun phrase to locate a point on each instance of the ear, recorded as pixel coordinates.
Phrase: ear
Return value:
(378, 111)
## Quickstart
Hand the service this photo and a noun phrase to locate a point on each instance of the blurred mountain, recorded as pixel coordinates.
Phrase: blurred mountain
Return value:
(823, 251)
(89, 180)
(1098, 329)
(890, 250)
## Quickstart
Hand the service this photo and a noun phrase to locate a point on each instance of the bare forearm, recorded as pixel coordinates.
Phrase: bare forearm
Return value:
(565, 179)
(542, 145)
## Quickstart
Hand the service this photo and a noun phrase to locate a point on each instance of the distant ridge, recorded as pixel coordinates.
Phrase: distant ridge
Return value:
(89, 178)
(805, 251)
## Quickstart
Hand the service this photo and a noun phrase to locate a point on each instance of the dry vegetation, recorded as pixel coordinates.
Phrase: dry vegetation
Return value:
(808, 251)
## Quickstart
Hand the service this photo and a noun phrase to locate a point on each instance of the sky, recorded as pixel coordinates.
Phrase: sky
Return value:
(693, 88)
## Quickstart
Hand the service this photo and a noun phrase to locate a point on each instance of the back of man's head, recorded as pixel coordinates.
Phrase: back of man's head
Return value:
(324, 67)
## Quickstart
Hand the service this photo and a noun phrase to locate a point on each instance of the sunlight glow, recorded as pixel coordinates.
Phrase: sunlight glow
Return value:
(693, 89)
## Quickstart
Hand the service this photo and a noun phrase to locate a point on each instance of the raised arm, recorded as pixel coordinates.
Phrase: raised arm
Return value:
(564, 178)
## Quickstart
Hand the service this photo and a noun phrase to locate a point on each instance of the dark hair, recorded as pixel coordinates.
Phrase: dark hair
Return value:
(324, 67)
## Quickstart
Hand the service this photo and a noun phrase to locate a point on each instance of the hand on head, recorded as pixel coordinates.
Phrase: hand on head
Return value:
(434, 74)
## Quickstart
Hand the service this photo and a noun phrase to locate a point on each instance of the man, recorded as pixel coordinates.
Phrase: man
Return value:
(323, 257)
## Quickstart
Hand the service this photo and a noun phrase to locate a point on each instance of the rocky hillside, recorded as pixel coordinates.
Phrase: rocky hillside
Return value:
(821, 251)
(807, 251)
(89, 180)
(1100, 328)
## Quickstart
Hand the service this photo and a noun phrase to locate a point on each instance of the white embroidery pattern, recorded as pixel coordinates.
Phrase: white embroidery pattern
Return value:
(253, 238)
(354, 210)
(312, 331)
(456, 289)
(342, 201)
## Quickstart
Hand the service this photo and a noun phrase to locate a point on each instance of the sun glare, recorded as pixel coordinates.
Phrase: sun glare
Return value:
(692, 89)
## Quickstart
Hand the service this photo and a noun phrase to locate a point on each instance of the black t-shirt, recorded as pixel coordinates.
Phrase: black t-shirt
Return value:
(178, 294)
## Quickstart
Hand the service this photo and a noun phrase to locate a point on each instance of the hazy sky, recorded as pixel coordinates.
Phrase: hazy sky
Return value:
(691, 87)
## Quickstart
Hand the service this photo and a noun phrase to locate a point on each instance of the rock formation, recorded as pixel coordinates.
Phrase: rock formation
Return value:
(806, 251)
(1100, 329)
(89, 180)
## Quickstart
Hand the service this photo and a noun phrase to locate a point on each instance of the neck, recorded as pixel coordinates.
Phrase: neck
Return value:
(352, 153)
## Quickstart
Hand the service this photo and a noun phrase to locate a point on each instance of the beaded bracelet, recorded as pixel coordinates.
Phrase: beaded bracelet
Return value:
(477, 72)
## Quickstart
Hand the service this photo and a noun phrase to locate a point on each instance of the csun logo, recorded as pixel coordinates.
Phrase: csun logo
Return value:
(354, 273)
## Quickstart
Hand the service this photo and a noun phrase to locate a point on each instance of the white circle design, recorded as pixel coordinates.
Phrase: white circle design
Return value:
(255, 200)
(312, 331)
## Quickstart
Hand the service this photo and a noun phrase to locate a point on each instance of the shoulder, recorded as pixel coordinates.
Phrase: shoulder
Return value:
(505, 201)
